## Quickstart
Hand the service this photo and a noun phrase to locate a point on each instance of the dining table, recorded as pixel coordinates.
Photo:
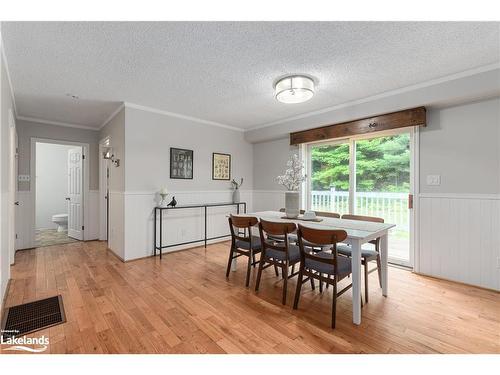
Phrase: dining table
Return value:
(358, 233)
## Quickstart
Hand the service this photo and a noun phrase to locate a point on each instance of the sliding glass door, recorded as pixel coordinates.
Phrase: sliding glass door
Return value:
(371, 176)
(329, 183)
(383, 187)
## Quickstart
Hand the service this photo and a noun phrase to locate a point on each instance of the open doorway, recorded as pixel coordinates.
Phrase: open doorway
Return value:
(59, 193)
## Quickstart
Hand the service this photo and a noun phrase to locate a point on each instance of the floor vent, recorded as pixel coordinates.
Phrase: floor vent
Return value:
(33, 316)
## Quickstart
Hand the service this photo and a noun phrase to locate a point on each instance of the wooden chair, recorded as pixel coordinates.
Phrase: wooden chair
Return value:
(367, 255)
(280, 254)
(243, 245)
(317, 265)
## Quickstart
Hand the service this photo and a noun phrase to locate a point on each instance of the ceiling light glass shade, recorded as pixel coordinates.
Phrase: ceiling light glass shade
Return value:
(294, 89)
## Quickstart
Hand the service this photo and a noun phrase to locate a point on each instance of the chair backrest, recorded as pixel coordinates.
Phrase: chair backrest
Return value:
(276, 229)
(363, 218)
(241, 222)
(327, 214)
(320, 237)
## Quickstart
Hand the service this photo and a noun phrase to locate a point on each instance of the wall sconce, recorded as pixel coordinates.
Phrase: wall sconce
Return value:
(108, 155)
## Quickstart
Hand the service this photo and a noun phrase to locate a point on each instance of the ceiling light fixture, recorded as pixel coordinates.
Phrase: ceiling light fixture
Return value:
(294, 89)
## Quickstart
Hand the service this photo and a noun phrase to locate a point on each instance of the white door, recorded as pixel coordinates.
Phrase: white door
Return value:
(75, 194)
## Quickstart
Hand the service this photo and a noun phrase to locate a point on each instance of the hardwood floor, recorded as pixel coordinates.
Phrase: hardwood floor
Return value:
(184, 304)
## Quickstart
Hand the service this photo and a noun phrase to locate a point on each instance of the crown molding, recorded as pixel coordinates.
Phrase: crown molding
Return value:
(57, 123)
(4, 58)
(178, 115)
(112, 116)
(451, 77)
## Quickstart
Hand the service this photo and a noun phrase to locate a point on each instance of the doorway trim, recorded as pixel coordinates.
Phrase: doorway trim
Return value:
(103, 188)
(414, 179)
(85, 183)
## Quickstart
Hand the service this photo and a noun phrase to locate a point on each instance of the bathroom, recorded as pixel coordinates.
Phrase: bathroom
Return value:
(58, 178)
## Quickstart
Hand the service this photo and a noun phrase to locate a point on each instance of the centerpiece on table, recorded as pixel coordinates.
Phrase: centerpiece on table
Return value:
(291, 180)
(163, 194)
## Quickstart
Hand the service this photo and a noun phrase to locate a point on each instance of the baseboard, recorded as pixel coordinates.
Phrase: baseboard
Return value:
(4, 298)
(115, 254)
(458, 282)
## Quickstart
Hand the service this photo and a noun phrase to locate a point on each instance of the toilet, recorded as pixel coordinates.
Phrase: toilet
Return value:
(61, 220)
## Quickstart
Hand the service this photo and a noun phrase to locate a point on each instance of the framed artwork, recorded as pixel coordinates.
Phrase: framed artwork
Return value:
(181, 163)
(221, 166)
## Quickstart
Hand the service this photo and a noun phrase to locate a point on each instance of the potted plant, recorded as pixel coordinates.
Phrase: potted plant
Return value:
(236, 190)
(291, 180)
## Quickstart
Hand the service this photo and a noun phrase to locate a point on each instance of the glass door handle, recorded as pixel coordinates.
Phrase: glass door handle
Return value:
(410, 201)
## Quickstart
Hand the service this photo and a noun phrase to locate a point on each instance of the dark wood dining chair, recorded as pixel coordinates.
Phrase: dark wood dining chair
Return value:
(280, 254)
(367, 255)
(243, 245)
(324, 266)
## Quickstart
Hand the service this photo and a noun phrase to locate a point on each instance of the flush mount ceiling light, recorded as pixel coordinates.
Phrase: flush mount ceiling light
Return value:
(294, 89)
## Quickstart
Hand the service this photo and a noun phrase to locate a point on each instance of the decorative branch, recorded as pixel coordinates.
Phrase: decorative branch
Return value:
(294, 175)
(236, 185)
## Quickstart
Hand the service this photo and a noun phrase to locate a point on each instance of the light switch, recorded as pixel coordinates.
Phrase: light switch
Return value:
(23, 178)
(433, 179)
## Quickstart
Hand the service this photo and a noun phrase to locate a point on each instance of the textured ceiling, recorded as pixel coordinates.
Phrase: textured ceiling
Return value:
(224, 72)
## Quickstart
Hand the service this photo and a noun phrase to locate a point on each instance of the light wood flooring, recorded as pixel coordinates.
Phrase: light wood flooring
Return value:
(184, 304)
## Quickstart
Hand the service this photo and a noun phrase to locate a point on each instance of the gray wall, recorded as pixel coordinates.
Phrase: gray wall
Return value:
(461, 144)
(27, 130)
(115, 130)
(270, 161)
(149, 137)
(6, 247)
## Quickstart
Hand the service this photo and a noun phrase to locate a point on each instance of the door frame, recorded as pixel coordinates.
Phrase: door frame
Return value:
(103, 189)
(414, 133)
(13, 171)
(85, 182)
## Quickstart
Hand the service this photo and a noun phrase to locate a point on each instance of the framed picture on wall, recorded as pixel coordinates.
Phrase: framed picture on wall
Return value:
(181, 163)
(221, 166)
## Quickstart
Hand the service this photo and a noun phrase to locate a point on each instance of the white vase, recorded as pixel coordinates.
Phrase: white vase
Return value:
(292, 204)
(236, 196)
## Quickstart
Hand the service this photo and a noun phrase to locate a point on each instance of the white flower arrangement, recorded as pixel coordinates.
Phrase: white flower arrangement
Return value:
(294, 175)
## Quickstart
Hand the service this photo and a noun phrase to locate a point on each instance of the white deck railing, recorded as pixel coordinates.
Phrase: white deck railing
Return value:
(393, 207)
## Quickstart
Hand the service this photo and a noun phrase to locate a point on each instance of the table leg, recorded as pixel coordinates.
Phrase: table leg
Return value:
(384, 249)
(205, 227)
(356, 281)
(161, 232)
(154, 232)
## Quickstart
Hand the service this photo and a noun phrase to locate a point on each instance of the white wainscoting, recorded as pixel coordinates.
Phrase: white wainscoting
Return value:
(178, 225)
(25, 219)
(459, 238)
(265, 200)
(117, 223)
(91, 231)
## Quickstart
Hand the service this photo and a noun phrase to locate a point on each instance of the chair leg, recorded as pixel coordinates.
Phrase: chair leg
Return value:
(379, 271)
(297, 290)
(320, 284)
(253, 260)
(276, 270)
(249, 267)
(366, 281)
(259, 273)
(285, 282)
(229, 262)
(313, 285)
(334, 302)
(293, 268)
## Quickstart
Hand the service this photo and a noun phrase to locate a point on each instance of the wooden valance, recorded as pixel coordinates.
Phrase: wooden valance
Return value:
(394, 120)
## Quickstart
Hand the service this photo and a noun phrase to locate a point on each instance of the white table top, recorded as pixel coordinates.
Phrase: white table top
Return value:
(356, 229)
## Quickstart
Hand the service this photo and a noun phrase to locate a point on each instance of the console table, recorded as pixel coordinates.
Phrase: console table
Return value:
(202, 206)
